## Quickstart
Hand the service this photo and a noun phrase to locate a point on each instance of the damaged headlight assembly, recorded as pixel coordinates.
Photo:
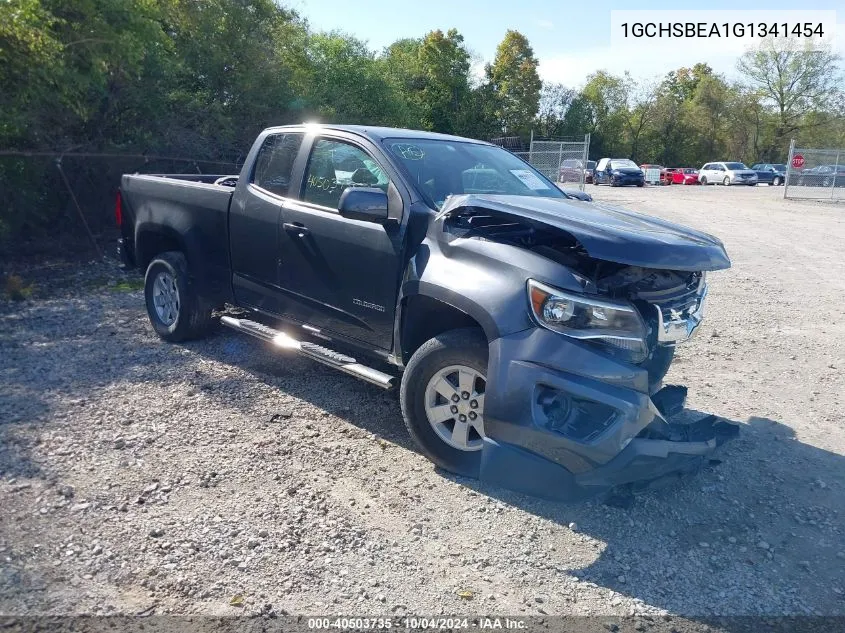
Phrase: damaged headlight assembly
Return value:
(616, 326)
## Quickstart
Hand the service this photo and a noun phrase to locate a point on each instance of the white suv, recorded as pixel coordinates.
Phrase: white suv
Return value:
(727, 174)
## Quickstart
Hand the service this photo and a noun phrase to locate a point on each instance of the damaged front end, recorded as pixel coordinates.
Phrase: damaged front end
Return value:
(575, 407)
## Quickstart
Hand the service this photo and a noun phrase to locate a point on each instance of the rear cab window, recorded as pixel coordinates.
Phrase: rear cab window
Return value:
(274, 162)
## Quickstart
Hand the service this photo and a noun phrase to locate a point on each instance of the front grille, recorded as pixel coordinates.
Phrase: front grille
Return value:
(680, 306)
(673, 315)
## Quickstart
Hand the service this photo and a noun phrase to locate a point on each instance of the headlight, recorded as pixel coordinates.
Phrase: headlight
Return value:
(616, 325)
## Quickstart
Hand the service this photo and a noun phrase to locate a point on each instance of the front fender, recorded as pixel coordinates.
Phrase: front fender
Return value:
(484, 279)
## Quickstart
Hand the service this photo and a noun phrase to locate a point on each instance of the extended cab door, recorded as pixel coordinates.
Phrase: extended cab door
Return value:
(254, 222)
(342, 274)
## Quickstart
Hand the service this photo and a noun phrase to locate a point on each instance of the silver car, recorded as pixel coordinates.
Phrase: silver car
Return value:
(727, 174)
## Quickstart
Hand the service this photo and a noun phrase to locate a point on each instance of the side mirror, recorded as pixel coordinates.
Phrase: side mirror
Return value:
(363, 203)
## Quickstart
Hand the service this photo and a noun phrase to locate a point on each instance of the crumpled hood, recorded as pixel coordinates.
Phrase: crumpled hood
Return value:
(628, 171)
(609, 233)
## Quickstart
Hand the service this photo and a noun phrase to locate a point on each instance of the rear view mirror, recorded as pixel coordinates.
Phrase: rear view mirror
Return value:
(363, 203)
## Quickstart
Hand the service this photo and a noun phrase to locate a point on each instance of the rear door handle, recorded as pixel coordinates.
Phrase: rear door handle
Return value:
(300, 229)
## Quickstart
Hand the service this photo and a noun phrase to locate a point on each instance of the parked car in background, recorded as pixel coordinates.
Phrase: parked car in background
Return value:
(589, 170)
(667, 175)
(571, 170)
(772, 173)
(822, 176)
(727, 173)
(684, 176)
(618, 172)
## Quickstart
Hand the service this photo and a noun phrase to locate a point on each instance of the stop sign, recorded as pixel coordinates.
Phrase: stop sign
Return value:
(798, 161)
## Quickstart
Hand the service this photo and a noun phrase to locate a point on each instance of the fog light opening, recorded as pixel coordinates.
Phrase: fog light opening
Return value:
(576, 418)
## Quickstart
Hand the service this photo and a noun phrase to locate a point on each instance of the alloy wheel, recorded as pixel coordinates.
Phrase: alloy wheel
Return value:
(454, 406)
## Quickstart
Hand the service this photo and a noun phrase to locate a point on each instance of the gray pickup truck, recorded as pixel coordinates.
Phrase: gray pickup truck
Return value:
(528, 332)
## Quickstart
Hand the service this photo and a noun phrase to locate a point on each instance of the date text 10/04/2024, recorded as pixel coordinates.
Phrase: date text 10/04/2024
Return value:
(416, 623)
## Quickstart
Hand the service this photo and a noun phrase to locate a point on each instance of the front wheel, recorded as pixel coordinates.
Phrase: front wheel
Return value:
(727, 181)
(704, 180)
(176, 311)
(442, 398)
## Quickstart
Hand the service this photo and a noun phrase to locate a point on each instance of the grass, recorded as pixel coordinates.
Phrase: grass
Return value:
(128, 285)
(17, 289)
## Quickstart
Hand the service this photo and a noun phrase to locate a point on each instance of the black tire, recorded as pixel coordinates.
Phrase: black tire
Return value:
(776, 181)
(193, 316)
(703, 180)
(640, 184)
(727, 181)
(467, 347)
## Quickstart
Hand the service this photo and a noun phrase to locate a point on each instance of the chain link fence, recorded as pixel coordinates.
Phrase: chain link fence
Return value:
(815, 174)
(561, 160)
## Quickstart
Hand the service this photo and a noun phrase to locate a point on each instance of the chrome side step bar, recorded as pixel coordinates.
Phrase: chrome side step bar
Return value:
(283, 341)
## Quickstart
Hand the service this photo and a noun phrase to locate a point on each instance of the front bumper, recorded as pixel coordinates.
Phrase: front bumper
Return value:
(623, 181)
(607, 431)
(740, 180)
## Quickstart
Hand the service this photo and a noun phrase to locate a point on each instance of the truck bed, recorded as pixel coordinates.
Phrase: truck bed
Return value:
(189, 209)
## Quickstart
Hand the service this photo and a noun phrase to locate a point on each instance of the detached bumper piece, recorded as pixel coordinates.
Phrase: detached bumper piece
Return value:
(662, 452)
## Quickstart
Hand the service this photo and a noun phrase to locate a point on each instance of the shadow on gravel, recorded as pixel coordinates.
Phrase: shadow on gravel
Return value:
(761, 533)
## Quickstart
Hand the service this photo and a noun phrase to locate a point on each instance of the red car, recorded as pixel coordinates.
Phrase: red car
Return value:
(679, 176)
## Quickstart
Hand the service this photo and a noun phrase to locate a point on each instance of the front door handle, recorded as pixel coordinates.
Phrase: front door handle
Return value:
(294, 227)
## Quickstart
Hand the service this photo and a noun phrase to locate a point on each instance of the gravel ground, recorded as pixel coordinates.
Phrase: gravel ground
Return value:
(218, 478)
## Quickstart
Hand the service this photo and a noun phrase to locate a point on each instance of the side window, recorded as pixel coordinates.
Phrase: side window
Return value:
(336, 165)
(706, 167)
(274, 162)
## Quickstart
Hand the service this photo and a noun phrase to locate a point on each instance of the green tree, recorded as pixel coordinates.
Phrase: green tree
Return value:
(793, 80)
(515, 83)
(555, 101)
(605, 99)
(444, 64)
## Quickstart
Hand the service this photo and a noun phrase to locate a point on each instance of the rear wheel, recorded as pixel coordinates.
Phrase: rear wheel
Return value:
(442, 397)
(776, 181)
(176, 311)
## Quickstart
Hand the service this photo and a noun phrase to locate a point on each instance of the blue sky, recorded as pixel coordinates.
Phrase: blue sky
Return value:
(571, 39)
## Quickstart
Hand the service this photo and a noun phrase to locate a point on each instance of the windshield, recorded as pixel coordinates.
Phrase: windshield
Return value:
(690, 170)
(623, 163)
(779, 167)
(735, 166)
(441, 168)
(591, 164)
